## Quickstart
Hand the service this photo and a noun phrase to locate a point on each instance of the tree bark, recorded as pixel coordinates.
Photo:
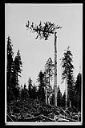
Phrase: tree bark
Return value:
(55, 69)
(46, 95)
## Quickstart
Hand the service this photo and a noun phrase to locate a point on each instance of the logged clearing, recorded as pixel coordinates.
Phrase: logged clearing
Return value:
(36, 111)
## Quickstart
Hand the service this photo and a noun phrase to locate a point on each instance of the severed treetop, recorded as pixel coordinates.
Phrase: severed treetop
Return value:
(43, 31)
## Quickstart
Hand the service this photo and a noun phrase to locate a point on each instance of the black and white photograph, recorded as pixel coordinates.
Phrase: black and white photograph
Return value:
(43, 64)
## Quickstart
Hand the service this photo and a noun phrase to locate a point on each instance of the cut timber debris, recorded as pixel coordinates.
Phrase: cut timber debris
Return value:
(31, 111)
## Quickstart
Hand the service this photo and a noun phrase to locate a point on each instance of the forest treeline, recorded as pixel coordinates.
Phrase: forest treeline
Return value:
(44, 92)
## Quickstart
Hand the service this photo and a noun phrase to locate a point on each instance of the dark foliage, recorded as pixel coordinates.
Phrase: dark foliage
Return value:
(17, 67)
(59, 97)
(35, 110)
(77, 96)
(30, 87)
(41, 92)
(13, 72)
(32, 90)
(9, 69)
(24, 93)
(52, 99)
(63, 100)
(68, 74)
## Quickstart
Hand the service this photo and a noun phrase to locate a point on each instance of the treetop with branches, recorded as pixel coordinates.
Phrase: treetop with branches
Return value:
(43, 31)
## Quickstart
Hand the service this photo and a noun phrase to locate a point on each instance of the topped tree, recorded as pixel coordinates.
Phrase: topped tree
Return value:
(43, 32)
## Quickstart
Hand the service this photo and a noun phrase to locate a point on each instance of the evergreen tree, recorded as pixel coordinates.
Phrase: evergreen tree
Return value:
(68, 76)
(49, 70)
(77, 98)
(78, 84)
(24, 93)
(59, 97)
(9, 69)
(52, 98)
(41, 93)
(9, 61)
(17, 64)
(48, 77)
(30, 87)
(17, 67)
(34, 92)
(63, 101)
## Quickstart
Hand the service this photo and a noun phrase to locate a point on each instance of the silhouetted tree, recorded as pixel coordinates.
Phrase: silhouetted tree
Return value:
(24, 93)
(63, 101)
(59, 97)
(17, 67)
(52, 99)
(34, 92)
(17, 64)
(9, 69)
(78, 84)
(68, 75)
(30, 87)
(41, 93)
(77, 98)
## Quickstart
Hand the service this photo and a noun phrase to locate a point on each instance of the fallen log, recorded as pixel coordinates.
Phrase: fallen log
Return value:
(62, 120)
(10, 117)
(47, 118)
(67, 118)
(32, 118)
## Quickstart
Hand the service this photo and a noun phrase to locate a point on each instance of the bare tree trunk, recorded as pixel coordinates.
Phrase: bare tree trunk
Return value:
(46, 96)
(49, 100)
(55, 69)
(70, 104)
(49, 78)
(66, 90)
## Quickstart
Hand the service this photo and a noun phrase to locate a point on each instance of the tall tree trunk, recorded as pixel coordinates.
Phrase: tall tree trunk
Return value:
(49, 78)
(66, 90)
(70, 104)
(46, 95)
(55, 69)
(49, 100)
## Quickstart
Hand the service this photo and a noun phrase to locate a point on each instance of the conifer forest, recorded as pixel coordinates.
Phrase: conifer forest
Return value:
(45, 101)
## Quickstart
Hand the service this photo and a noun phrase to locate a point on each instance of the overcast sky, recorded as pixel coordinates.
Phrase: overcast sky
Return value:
(35, 52)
